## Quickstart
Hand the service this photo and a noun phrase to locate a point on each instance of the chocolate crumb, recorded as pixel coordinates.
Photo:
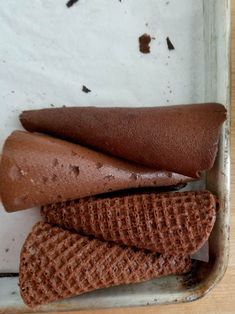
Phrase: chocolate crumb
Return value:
(169, 44)
(71, 3)
(144, 42)
(6, 250)
(85, 89)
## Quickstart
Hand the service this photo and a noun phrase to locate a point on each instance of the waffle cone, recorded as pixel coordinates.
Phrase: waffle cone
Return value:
(173, 223)
(57, 264)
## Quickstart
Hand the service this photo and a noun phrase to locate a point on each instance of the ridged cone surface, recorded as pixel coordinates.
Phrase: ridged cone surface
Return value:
(174, 223)
(57, 264)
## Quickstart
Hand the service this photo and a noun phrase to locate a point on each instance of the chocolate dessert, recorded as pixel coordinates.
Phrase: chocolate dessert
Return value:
(183, 139)
(57, 264)
(37, 170)
(172, 223)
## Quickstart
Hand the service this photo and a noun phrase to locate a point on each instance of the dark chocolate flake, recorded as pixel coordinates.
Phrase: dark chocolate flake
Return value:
(85, 89)
(169, 44)
(71, 3)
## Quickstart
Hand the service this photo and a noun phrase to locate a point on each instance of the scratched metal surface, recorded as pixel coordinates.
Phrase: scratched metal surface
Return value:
(47, 52)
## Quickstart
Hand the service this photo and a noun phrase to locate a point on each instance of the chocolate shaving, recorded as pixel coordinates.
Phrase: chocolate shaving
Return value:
(169, 44)
(85, 89)
(71, 3)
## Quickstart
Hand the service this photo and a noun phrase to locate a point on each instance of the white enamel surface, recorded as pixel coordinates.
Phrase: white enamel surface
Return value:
(48, 52)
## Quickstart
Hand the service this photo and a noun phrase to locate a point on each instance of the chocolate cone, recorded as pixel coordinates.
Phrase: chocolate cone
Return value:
(183, 139)
(172, 223)
(56, 264)
(36, 170)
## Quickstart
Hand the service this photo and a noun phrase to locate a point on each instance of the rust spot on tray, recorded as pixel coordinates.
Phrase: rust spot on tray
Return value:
(196, 279)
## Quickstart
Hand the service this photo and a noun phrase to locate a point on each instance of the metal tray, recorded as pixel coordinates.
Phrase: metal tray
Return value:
(47, 52)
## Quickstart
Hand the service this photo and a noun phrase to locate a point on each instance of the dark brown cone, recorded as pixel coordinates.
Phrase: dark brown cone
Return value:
(183, 139)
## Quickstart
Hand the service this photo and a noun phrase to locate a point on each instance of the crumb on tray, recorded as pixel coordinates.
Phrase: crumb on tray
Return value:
(169, 44)
(71, 3)
(144, 42)
(85, 89)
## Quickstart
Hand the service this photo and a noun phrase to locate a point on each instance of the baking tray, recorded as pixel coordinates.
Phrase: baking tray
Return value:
(48, 52)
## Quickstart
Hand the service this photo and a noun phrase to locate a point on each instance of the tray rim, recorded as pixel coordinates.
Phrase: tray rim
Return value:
(199, 291)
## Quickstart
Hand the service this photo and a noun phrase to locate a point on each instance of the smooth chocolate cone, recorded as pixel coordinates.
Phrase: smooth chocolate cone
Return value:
(37, 170)
(182, 139)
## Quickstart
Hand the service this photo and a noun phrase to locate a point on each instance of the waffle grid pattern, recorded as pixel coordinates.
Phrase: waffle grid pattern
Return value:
(174, 223)
(56, 264)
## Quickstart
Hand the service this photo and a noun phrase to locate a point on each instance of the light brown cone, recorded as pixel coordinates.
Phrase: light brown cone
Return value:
(57, 264)
(173, 223)
(36, 170)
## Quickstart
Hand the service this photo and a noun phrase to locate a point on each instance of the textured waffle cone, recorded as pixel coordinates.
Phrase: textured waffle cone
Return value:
(57, 264)
(171, 223)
